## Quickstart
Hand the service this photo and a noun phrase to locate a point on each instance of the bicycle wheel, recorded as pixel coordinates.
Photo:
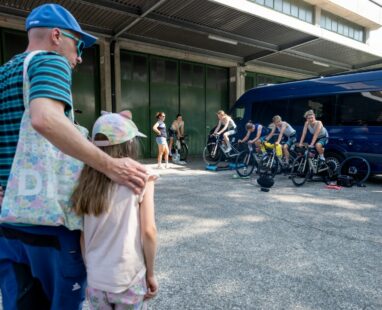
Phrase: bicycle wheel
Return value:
(300, 171)
(269, 165)
(245, 163)
(356, 167)
(183, 152)
(212, 154)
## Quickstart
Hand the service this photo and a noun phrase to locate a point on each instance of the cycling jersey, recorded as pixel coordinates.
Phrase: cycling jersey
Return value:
(322, 134)
(264, 131)
(289, 130)
(231, 124)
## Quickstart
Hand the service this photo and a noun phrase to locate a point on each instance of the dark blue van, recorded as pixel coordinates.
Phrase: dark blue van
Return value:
(349, 106)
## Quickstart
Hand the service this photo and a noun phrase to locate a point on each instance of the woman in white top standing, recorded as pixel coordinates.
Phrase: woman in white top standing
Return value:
(226, 126)
(320, 134)
(119, 226)
(176, 130)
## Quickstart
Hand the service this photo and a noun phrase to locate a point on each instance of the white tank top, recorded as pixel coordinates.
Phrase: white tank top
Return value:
(113, 249)
(289, 131)
(231, 123)
(323, 132)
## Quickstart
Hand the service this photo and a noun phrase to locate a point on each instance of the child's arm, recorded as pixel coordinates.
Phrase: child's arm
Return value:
(149, 237)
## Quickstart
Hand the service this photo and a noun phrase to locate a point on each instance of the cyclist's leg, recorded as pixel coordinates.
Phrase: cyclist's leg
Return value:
(286, 147)
(258, 146)
(160, 142)
(286, 152)
(262, 145)
(226, 138)
(165, 153)
(320, 147)
(171, 143)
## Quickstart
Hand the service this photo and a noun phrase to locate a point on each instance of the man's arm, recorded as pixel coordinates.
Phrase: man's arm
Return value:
(49, 120)
(246, 137)
(270, 134)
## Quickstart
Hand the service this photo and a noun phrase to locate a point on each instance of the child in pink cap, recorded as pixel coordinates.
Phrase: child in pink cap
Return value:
(119, 226)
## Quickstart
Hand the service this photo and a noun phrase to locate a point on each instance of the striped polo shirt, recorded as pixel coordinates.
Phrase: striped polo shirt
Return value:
(50, 76)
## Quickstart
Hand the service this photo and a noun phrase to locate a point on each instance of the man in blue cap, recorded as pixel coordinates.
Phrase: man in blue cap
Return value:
(40, 265)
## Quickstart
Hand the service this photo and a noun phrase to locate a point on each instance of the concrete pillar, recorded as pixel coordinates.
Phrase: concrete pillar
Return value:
(317, 16)
(236, 83)
(105, 76)
(117, 71)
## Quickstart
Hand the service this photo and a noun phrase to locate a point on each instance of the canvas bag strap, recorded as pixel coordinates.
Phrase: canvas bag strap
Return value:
(27, 61)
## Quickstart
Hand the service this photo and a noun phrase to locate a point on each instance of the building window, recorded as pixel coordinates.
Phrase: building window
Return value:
(294, 8)
(342, 26)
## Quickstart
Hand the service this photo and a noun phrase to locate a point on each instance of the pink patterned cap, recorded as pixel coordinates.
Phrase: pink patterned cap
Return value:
(117, 128)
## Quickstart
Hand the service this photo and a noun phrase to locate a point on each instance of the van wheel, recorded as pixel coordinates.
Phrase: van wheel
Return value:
(334, 160)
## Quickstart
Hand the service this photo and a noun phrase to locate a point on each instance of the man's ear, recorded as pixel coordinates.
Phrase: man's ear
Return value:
(55, 36)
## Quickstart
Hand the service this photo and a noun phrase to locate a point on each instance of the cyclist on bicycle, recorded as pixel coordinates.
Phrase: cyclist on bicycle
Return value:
(226, 126)
(268, 142)
(319, 132)
(283, 129)
(176, 130)
(259, 131)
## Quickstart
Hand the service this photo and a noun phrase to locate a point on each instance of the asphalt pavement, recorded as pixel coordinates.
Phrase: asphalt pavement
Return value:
(224, 244)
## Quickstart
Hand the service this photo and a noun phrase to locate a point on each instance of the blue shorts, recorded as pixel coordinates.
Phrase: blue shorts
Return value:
(323, 141)
(291, 140)
(41, 267)
(161, 140)
(172, 133)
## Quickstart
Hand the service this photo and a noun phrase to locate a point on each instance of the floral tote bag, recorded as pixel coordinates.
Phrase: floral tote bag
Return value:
(42, 178)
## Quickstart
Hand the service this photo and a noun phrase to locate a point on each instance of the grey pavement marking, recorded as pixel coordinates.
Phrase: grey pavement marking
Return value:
(224, 244)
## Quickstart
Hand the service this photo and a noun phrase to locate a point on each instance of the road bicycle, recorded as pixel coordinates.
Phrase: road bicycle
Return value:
(215, 151)
(179, 149)
(272, 164)
(307, 165)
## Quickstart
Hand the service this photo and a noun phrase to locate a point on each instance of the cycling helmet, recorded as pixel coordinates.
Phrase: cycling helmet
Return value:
(266, 181)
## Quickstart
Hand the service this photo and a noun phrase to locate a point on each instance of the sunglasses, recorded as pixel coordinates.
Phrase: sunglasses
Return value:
(80, 44)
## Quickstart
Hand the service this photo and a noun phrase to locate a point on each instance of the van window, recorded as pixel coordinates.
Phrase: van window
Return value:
(238, 113)
(263, 112)
(322, 106)
(360, 109)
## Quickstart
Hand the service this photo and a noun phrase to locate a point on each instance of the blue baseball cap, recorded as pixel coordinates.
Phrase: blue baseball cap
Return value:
(55, 16)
